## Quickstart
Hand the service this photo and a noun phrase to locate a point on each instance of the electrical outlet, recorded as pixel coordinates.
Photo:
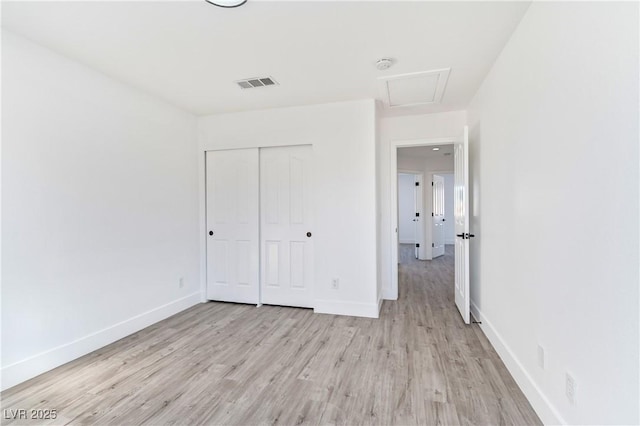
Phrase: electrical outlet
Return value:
(541, 359)
(335, 283)
(571, 389)
(180, 282)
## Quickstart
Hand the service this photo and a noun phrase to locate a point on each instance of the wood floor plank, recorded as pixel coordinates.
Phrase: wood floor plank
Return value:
(233, 364)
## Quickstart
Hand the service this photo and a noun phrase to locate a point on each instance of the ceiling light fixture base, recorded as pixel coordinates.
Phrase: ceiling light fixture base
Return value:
(227, 4)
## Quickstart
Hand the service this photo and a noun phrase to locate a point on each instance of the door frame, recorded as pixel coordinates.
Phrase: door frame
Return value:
(393, 188)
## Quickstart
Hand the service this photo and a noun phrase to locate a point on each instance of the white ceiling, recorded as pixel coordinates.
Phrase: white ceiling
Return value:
(190, 53)
(426, 151)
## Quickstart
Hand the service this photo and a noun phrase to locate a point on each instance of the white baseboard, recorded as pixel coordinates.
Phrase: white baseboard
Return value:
(539, 401)
(354, 309)
(35, 365)
(387, 294)
(406, 241)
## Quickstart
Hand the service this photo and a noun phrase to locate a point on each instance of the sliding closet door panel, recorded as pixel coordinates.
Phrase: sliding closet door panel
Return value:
(232, 225)
(286, 226)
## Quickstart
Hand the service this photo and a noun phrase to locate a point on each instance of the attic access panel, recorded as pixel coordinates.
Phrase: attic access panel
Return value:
(420, 88)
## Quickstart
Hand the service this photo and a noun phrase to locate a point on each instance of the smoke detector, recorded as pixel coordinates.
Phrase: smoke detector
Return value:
(384, 64)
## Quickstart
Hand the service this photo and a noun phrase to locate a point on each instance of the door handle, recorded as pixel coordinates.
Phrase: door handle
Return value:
(309, 234)
(465, 236)
(210, 232)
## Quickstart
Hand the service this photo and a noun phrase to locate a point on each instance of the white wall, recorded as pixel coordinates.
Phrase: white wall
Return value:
(449, 225)
(99, 210)
(406, 208)
(429, 126)
(343, 137)
(554, 158)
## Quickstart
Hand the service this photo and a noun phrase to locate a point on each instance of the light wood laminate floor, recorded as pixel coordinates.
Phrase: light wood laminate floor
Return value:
(221, 363)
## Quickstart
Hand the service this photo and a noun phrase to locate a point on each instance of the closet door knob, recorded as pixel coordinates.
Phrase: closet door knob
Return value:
(309, 234)
(210, 232)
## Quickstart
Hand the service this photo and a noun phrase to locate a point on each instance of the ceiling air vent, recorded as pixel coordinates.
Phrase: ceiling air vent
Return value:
(252, 83)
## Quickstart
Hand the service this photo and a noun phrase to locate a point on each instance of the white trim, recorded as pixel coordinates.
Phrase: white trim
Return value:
(539, 401)
(354, 309)
(35, 365)
(202, 211)
(391, 293)
(388, 295)
(407, 242)
(380, 302)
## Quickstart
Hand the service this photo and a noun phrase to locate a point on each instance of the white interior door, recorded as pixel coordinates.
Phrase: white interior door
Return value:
(286, 226)
(438, 216)
(407, 208)
(419, 217)
(461, 218)
(232, 225)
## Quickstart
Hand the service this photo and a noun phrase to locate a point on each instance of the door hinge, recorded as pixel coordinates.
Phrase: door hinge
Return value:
(431, 213)
(431, 183)
(417, 214)
(433, 244)
(417, 245)
(417, 183)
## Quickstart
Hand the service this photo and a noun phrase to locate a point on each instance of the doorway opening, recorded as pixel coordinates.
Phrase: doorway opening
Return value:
(423, 256)
(443, 255)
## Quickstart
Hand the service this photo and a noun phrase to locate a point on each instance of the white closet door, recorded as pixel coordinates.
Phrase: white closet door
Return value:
(286, 226)
(232, 225)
